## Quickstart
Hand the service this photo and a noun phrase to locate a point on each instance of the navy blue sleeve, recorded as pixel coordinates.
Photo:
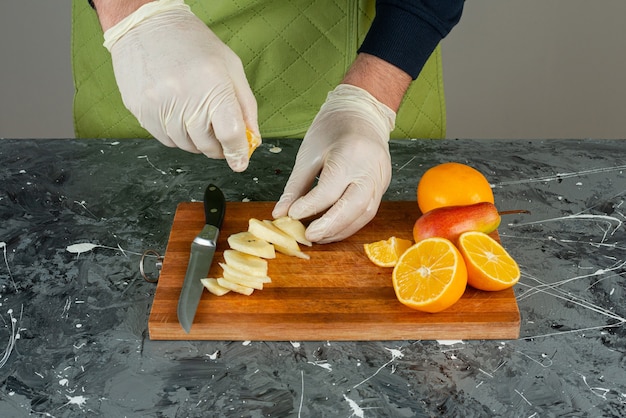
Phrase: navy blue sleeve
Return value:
(405, 33)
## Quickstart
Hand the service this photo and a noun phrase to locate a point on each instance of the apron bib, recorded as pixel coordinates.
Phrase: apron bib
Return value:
(293, 53)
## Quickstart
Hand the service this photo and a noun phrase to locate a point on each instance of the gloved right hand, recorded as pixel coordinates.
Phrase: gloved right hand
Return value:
(183, 84)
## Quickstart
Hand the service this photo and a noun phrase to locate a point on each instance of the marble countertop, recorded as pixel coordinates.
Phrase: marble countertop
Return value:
(73, 325)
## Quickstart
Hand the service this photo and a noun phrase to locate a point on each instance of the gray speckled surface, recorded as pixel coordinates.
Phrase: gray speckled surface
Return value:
(81, 319)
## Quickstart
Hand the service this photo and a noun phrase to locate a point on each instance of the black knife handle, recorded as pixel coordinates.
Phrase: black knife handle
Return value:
(214, 205)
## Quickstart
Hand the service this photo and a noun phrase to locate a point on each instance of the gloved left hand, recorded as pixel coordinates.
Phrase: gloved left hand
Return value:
(347, 145)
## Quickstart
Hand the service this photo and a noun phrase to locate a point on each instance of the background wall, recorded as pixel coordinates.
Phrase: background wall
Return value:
(537, 69)
(512, 68)
(36, 88)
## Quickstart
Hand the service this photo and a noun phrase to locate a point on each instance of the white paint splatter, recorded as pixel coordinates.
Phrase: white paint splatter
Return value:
(275, 150)
(13, 336)
(81, 248)
(64, 382)
(83, 205)
(301, 393)
(22, 171)
(523, 397)
(3, 245)
(561, 176)
(152, 165)
(357, 411)
(246, 343)
(450, 342)
(598, 391)
(84, 247)
(295, 344)
(323, 364)
(612, 221)
(395, 354)
(214, 355)
(76, 400)
(245, 200)
(407, 163)
(66, 308)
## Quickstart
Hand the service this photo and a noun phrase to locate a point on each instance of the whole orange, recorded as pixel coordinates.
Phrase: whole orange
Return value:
(452, 184)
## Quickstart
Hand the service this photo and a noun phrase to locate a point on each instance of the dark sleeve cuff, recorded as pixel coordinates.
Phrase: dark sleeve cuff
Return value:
(405, 33)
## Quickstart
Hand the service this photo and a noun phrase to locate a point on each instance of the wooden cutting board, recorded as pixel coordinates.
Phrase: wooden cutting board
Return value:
(336, 295)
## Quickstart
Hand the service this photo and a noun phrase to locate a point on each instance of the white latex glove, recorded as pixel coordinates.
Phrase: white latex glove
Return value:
(347, 145)
(184, 85)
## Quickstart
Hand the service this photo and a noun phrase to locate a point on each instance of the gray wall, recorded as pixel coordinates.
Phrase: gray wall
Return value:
(513, 69)
(36, 86)
(537, 69)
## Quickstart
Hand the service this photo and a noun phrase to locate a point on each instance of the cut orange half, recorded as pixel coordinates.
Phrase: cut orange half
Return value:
(489, 266)
(430, 276)
(386, 253)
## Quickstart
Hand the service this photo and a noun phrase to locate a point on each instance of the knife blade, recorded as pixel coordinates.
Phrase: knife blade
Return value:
(202, 252)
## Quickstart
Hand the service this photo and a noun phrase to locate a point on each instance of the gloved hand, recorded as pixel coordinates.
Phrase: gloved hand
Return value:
(347, 145)
(184, 85)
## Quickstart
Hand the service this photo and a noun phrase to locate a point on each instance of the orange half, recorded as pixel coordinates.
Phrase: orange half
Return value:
(385, 253)
(253, 141)
(430, 276)
(489, 265)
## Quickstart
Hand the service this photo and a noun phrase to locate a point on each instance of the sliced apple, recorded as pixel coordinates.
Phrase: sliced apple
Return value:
(244, 290)
(292, 227)
(249, 264)
(212, 286)
(233, 275)
(268, 232)
(291, 252)
(248, 243)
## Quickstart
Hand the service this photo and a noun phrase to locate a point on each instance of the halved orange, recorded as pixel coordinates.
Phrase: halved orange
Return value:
(430, 276)
(385, 253)
(489, 265)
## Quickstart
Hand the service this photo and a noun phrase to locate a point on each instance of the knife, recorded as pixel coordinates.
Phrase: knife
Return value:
(202, 251)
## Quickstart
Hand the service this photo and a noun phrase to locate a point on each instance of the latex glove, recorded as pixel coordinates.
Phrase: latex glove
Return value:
(347, 145)
(184, 85)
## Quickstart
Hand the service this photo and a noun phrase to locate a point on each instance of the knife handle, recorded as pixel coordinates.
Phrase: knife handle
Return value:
(214, 205)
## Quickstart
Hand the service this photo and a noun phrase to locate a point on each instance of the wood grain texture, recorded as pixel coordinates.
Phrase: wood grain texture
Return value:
(336, 295)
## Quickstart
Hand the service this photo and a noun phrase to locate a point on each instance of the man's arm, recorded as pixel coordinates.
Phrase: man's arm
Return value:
(386, 82)
(401, 38)
(111, 12)
(406, 32)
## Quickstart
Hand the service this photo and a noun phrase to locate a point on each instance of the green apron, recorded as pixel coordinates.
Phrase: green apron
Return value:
(294, 52)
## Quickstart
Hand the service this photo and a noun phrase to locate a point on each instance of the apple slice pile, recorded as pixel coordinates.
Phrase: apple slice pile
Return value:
(245, 264)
